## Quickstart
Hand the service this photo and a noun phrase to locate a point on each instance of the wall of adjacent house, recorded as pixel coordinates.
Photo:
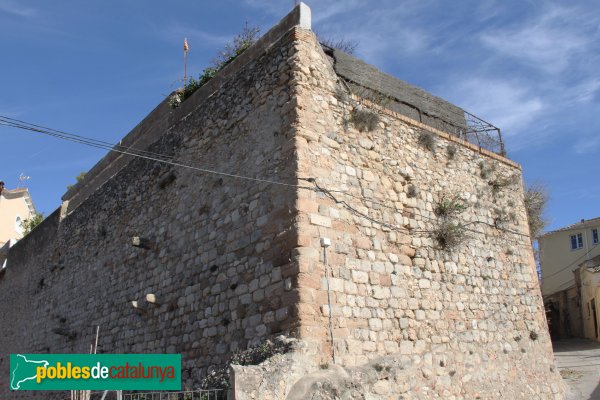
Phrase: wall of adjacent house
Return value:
(217, 250)
(558, 260)
(564, 313)
(590, 292)
(12, 207)
(470, 316)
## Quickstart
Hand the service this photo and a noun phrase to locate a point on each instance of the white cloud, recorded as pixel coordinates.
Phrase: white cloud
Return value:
(587, 145)
(326, 11)
(507, 105)
(585, 92)
(375, 27)
(13, 8)
(550, 42)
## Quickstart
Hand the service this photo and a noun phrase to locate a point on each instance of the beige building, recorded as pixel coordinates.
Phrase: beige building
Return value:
(15, 206)
(562, 250)
(561, 253)
(589, 288)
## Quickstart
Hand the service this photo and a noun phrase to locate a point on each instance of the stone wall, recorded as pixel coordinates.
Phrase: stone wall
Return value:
(411, 101)
(216, 251)
(463, 315)
(232, 261)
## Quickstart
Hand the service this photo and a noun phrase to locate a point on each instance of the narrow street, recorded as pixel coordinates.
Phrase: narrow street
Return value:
(578, 361)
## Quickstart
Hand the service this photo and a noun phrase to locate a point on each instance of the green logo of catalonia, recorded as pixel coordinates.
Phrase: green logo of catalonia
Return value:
(95, 372)
(24, 369)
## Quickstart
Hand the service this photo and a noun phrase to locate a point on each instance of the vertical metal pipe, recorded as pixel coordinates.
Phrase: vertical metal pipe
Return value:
(329, 304)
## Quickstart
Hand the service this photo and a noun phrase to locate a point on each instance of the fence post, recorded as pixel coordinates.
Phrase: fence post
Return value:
(502, 150)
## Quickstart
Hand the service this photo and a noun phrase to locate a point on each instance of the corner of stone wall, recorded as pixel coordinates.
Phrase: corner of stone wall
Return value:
(319, 109)
(309, 66)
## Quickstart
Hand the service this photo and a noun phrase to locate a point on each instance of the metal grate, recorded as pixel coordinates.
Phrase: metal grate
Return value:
(483, 134)
(214, 394)
(200, 394)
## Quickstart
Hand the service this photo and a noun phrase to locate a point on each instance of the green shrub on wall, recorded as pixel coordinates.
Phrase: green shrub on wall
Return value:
(240, 43)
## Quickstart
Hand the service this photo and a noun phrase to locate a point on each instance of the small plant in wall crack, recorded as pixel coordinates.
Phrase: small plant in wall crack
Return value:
(486, 170)
(449, 206)
(499, 183)
(218, 377)
(504, 216)
(412, 191)
(364, 120)
(451, 151)
(427, 140)
(449, 234)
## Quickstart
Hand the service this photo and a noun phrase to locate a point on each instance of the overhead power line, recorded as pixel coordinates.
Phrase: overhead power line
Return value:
(569, 265)
(131, 151)
(171, 160)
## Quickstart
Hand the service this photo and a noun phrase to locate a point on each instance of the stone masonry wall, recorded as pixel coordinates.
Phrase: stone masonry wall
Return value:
(469, 318)
(218, 257)
(233, 261)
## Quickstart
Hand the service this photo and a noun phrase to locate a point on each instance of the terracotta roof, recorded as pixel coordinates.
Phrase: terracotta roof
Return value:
(578, 225)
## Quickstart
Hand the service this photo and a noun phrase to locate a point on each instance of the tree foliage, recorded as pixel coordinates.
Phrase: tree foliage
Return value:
(345, 45)
(29, 224)
(79, 178)
(536, 200)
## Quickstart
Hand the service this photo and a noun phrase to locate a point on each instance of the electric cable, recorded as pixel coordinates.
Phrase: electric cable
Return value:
(171, 160)
(139, 153)
(570, 265)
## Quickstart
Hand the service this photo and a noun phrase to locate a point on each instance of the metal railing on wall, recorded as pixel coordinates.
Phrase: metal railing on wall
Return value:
(214, 394)
(473, 130)
(200, 394)
(453, 119)
(483, 134)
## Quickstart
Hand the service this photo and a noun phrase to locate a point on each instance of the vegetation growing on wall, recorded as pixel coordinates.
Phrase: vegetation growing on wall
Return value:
(486, 169)
(450, 233)
(499, 183)
(78, 178)
(345, 45)
(240, 43)
(449, 206)
(536, 199)
(219, 377)
(29, 224)
(364, 120)
(427, 140)
(451, 151)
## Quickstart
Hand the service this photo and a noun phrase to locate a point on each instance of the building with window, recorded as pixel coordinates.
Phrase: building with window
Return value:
(561, 253)
(15, 207)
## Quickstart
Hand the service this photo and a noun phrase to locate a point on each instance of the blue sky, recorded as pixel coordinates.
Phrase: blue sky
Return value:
(96, 68)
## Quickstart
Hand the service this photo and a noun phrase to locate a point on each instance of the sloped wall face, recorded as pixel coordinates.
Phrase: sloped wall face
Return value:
(216, 250)
(394, 199)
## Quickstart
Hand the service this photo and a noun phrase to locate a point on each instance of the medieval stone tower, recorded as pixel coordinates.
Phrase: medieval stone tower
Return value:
(326, 201)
